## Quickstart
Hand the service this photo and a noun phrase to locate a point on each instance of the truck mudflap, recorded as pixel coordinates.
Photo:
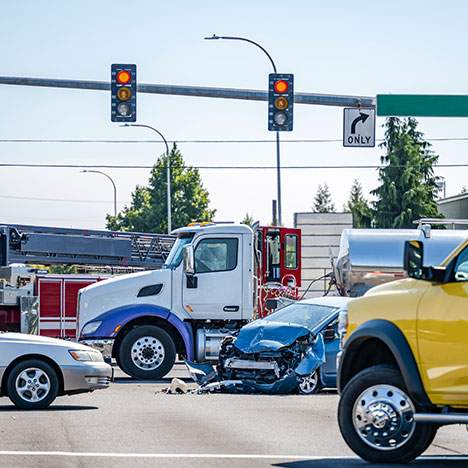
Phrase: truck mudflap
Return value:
(389, 334)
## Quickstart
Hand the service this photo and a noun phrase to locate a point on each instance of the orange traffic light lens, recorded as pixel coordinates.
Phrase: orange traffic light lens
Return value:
(123, 77)
(281, 103)
(124, 94)
(281, 86)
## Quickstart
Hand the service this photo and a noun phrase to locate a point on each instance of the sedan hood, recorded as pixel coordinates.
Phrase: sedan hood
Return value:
(23, 338)
(260, 336)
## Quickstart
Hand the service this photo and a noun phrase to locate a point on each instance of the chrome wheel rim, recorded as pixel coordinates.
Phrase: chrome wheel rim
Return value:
(32, 385)
(383, 416)
(147, 353)
(308, 384)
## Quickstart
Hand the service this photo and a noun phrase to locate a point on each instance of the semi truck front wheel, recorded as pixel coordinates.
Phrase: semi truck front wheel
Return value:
(147, 353)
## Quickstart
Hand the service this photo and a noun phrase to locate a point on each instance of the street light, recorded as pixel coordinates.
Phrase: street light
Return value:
(168, 172)
(278, 159)
(113, 184)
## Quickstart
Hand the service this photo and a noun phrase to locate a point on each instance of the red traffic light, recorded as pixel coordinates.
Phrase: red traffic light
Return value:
(281, 86)
(123, 77)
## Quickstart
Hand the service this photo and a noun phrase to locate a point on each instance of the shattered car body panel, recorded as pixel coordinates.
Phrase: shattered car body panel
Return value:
(261, 335)
(273, 354)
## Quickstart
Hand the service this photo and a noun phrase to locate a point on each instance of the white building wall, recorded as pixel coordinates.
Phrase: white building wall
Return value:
(320, 233)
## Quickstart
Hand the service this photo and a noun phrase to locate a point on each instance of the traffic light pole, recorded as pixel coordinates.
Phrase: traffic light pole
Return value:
(278, 158)
(278, 178)
(168, 173)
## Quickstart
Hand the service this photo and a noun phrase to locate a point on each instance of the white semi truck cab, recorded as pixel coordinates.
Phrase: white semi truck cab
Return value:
(206, 289)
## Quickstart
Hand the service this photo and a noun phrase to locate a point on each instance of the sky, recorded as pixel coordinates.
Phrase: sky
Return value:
(341, 47)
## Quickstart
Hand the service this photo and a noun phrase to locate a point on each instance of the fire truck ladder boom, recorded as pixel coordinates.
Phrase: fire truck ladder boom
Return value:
(50, 245)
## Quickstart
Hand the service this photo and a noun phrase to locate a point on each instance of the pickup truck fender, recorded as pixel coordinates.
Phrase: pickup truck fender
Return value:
(400, 354)
(125, 315)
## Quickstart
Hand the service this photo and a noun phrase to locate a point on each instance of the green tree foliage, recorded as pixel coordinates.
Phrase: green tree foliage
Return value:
(323, 202)
(408, 189)
(359, 207)
(248, 219)
(148, 209)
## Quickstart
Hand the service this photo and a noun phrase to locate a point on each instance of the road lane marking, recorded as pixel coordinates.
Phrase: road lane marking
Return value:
(206, 455)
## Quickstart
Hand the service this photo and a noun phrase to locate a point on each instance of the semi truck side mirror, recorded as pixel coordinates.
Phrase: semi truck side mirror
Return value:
(189, 260)
(414, 258)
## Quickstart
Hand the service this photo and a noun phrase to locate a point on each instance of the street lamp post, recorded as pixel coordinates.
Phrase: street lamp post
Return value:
(113, 185)
(278, 159)
(168, 172)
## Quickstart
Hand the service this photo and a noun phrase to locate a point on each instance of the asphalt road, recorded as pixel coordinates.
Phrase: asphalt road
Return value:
(134, 424)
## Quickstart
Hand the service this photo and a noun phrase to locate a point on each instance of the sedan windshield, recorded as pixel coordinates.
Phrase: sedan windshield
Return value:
(307, 315)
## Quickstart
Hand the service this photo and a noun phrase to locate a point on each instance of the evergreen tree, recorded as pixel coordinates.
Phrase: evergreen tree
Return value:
(323, 202)
(148, 209)
(408, 189)
(248, 219)
(359, 207)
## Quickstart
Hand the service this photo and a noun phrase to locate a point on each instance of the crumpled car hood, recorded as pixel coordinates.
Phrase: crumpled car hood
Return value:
(260, 336)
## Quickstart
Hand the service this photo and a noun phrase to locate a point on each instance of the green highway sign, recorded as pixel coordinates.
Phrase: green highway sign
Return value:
(422, 105)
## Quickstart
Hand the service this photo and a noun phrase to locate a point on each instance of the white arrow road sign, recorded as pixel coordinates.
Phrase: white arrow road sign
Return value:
(359, 127)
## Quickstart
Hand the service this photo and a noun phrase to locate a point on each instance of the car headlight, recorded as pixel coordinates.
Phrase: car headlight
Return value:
(342, 326)
(90, 327)
(86, 356)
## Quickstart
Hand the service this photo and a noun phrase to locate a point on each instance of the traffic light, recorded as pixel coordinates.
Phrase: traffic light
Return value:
(123, 93)
(280, 102)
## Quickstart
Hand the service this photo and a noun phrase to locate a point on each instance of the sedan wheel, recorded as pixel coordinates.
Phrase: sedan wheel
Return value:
(32, 384)
(309, 384)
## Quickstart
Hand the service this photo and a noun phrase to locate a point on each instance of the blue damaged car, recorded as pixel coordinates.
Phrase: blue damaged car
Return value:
(293, 349)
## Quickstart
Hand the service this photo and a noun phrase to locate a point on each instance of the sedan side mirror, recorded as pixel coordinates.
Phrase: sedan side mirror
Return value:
(189, 260)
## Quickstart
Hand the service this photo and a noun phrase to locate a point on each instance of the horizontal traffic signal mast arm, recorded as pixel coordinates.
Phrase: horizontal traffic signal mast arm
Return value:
(198, 91)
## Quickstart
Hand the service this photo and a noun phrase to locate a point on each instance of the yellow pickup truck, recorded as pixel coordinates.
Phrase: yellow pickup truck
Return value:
(403, 369)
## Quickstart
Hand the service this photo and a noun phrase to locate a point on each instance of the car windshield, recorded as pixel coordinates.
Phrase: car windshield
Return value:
(307, 315)
(175, 255)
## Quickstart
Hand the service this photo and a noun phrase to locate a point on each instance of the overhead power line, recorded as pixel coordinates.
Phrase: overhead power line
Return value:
(126, 166)
(65, 200)
(246, 141)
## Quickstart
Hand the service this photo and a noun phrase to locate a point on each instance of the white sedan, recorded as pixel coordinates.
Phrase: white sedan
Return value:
(34, 370)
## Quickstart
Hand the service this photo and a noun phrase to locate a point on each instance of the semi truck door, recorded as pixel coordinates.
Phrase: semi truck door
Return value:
(442, 336)
(215, 290)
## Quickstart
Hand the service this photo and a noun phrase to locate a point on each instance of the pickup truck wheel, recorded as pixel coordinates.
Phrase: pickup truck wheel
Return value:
(376, 418)
(147, 352)
(32, 385)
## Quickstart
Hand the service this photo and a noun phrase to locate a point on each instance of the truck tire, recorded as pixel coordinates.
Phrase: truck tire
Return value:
(32, 385)
(147, 353)
(375, 415)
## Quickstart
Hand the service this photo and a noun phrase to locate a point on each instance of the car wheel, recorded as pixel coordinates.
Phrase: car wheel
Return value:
(32, 384)
(376, 418)
(147, 353)
(310, 384)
